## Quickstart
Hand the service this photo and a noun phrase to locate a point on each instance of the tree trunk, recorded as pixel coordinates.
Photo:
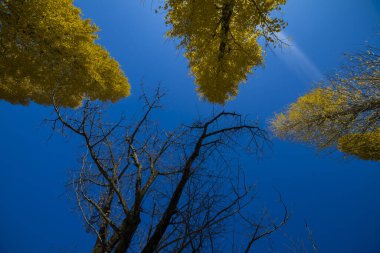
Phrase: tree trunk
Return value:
(165, 220)
(128, 229)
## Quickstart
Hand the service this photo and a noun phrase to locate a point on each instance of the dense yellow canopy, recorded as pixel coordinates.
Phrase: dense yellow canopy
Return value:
(221, 40)
(48, 50)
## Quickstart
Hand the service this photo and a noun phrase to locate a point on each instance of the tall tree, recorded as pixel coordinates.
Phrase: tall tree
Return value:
(221, 40)
(344, 111)
(46, 47)
(143, 189)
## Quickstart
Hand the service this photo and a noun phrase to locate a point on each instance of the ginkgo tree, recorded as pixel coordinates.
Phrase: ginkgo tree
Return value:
(48, 50)
(343, 111)
(221, 40)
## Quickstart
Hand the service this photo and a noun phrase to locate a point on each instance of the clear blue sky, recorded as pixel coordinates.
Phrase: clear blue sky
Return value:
(338, 198)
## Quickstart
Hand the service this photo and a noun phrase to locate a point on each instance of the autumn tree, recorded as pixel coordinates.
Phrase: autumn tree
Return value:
(343, 111)
(221, 40)
(46, 47)
(143, 189)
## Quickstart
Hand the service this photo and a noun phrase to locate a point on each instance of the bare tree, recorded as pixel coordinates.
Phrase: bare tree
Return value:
(143, 189)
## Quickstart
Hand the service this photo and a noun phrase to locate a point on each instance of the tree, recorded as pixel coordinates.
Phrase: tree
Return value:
(46, 47)
(343, 111)
(221, 40)
(144, 189)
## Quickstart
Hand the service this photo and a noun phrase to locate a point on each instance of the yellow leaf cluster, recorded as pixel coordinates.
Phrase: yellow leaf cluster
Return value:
(221, 40)
(363, 145)
(344, 111)
(312, 118)
(47, 50)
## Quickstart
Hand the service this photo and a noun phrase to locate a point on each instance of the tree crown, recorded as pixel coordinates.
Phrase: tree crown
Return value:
(49, 50)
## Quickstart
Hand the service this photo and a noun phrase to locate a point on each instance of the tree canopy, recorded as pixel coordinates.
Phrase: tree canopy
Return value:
(343, 111)
(141, 188)
(47, 50)
(221, 40)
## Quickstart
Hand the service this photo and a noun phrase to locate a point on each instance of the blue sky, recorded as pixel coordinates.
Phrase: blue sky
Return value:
(338, 197)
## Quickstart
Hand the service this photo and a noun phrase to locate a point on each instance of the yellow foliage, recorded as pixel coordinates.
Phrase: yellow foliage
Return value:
(48, 49)
(343, 112)
(364, 145)
(221, 40)
(312, 117)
